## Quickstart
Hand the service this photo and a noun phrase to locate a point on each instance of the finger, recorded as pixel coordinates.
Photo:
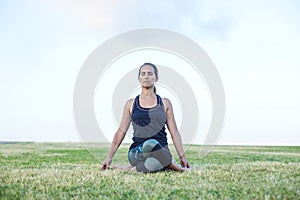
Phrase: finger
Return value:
(188, 165)
(104, 166)
(182, 163)
(185, 164)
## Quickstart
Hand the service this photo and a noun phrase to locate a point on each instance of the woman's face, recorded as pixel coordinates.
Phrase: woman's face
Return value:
(147, 76)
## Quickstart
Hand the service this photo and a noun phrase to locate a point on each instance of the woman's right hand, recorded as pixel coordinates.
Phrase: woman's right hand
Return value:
(106, 163)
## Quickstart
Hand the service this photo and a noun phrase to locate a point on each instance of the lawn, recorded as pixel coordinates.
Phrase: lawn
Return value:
(70, 171)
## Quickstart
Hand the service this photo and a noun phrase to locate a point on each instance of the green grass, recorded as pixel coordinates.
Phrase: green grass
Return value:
(70, 171)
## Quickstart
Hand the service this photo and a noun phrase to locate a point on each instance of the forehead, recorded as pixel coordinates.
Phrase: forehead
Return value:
(147, 68)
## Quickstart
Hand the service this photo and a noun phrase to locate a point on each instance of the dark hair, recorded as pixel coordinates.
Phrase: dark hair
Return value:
(155, 72)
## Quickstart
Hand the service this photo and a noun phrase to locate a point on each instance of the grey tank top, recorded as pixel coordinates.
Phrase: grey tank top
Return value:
(148, 123)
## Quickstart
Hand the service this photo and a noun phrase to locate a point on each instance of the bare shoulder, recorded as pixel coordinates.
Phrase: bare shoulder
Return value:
(166, 100)
(167, 103)
(129, 105)
(130, 101)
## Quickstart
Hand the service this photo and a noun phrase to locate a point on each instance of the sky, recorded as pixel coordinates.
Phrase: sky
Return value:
(254, 45)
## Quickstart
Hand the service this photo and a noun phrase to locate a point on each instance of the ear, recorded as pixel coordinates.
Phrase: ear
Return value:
(156, 79)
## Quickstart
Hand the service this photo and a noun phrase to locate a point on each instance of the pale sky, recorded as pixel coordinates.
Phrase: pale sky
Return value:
(254, 45)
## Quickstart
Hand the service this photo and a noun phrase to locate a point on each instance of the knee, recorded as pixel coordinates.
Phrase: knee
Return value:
(149, 145)
(152, 164)
(164, 156)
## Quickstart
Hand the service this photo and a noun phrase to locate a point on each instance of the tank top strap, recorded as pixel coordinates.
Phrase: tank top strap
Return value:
(136, 101)
(160, 101)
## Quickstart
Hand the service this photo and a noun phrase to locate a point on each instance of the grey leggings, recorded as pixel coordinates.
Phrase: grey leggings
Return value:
(150, 156)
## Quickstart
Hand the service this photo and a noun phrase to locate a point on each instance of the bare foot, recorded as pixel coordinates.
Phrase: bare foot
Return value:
(133, 169)
(122, 167)
(174, 166)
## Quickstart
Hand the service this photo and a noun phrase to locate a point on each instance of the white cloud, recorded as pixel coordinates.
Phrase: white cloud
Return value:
(99, 14)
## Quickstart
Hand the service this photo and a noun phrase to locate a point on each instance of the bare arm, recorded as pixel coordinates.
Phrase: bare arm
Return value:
(119, 135)
(171, 124)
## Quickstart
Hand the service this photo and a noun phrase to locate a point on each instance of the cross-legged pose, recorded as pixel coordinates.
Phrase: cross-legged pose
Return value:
(149, 113)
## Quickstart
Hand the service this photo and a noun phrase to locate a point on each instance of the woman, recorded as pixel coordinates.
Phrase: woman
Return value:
(149, 113)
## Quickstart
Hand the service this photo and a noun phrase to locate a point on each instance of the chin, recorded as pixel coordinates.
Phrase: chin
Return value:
(147, 86)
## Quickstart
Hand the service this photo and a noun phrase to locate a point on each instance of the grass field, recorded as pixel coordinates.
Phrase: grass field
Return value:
(69, 171)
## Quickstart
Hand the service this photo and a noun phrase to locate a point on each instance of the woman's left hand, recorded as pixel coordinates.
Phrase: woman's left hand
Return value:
(184, 163)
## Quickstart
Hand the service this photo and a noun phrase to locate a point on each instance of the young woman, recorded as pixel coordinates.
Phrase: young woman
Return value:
(149, 113)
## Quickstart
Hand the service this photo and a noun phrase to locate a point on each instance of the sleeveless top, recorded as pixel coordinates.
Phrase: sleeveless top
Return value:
(148, 123)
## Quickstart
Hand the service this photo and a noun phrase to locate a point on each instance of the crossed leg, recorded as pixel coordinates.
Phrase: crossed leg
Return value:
(157, 158)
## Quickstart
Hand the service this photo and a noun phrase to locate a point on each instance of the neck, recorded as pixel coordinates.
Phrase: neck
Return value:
(147, 92)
